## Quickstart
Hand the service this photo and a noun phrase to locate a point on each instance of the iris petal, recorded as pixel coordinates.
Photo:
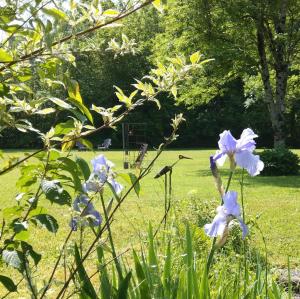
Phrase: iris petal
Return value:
(230, 204)
(220, 158)
(246, 141)
(247, 160)
(227, 142)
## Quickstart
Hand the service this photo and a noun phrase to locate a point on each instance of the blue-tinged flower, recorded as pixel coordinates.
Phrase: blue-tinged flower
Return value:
(225, 214)
(115, 185)
(87, 215)
(239, 151)
(102, 173)
(101, 164)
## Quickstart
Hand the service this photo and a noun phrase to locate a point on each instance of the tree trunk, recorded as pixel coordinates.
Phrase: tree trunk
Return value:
(276, 111)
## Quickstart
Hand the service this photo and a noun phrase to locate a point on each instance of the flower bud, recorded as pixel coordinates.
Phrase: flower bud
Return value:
(216, 175)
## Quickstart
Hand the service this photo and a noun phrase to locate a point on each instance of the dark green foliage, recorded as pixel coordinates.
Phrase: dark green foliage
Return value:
(280, 161)
(8, 283)
(86, 288)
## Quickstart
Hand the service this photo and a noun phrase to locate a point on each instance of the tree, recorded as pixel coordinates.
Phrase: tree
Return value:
(246, 38)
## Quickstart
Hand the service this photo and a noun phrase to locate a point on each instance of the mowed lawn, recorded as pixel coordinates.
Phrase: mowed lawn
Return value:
(275, 199)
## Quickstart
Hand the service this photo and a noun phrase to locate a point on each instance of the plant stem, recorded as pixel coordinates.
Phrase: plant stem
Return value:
(244, 241)
(116, 261)
(109, 220)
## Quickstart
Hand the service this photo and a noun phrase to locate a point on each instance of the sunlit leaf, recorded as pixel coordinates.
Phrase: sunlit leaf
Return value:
(5, 56)
(56, 13)
(194, 58)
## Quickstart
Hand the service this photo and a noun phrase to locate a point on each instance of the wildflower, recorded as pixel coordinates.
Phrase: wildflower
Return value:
(239, 151)
(102, 173)
(87, 215)
(225, 214)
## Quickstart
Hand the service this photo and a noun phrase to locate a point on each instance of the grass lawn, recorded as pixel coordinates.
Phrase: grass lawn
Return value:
(275, 199)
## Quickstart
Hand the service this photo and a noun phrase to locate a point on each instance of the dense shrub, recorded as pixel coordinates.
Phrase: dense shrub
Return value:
(280, 161)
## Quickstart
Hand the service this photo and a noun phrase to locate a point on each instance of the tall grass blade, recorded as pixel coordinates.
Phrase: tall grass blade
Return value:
(124, 285)
(87, 288)
(143, 283)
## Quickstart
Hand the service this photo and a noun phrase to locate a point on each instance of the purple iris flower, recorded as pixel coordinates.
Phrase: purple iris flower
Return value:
(85, 209)
(228, 211)
(101, 164)
(102, 173)
(240, 151)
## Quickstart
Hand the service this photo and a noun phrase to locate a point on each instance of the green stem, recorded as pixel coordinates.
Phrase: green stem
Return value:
(213, 248)
(244, 241)
(166, 199)
(116, 261)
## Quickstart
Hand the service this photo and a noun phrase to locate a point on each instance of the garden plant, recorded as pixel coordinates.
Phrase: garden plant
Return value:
(177, 259)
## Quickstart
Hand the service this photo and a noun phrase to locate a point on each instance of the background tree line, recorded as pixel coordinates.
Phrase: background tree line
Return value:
(248, 45)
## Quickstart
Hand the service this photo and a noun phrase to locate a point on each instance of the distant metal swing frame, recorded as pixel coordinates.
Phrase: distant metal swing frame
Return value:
(134, 135)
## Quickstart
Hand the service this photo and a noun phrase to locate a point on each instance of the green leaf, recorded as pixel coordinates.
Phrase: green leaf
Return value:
(151, 249)
(56, 13)
(86, 143)
(111, 13)
(22, 235)
(12, 212)
(124, 285)
(174, 91)
(189, 262)
(131, 179)
(47, 221)
(76, 99)
(194, 58)
(204, 289)
(45, 111)
(60, 103)
(4, 56)
(37, 211)
(28, 249)
(71, 167)
(13, 258)
(55, 193)
(167, 271)
(158, 5)
(143, 284)
(106, 287)
(84, 167)
(8, 283)
(64, 128)
(85, 283)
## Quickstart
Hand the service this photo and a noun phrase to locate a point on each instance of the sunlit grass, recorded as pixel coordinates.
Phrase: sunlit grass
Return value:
(275, 199)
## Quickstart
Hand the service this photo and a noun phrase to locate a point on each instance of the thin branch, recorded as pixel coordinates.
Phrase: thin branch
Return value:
(24, 23)
(99, 269)
(76, 35)
(142, 175)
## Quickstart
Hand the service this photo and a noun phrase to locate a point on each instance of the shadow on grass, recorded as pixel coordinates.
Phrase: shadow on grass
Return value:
(277, 181)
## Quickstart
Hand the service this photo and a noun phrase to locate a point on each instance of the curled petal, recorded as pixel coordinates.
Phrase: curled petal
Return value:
(116, 186)
(244, 227)
(247, 160)
(246, 141)
(100, 164)
(230, 204)
(83, 206)
(95, 217)
(95, 182)
(227, 143)
(220, 158)
(216, 228)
